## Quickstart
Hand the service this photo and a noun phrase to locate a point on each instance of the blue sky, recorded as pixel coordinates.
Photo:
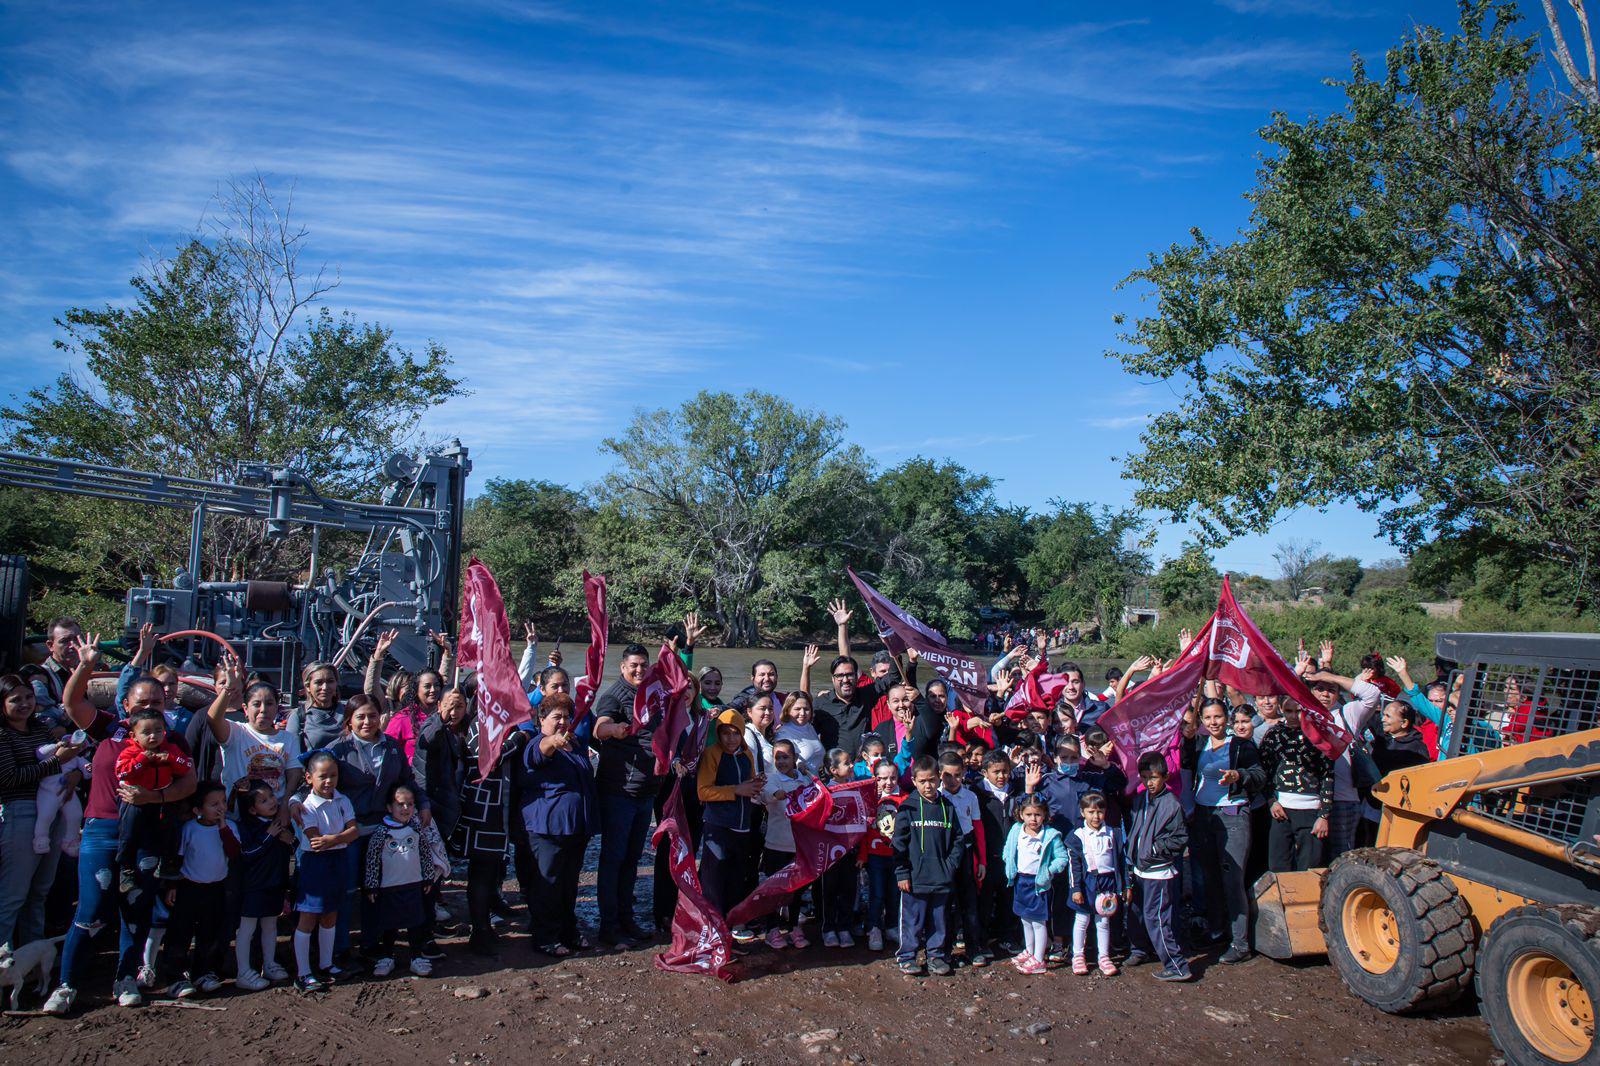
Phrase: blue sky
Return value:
(912, 217)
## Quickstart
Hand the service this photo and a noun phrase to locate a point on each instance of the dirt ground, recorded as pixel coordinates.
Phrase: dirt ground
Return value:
(819, 1005)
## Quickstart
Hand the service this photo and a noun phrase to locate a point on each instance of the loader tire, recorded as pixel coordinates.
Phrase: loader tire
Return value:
(1397, 930)
(1538, 979)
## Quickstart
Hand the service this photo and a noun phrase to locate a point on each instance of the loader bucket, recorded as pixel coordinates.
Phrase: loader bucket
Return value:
(1286, 915)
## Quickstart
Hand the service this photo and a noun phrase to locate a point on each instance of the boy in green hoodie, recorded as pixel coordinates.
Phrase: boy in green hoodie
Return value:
(927, 854)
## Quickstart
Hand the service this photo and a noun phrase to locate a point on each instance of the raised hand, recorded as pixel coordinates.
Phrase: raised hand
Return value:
(1185, 638)
(147, 643)
(385, 639)
(693, 628)
(839, 613)
(811, 656)
(1143, 662)
(232, 674)
(440, 639)
(89, 649)
(911, 655)
(1325, 655)
(1302, 661)
(1031, 777)
(530, 632)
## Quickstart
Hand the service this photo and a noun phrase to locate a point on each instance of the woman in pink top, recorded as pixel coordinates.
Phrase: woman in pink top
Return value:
(406, 725)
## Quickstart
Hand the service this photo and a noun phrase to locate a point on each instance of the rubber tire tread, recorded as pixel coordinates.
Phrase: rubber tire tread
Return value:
(1581, 923)
(1430, 972)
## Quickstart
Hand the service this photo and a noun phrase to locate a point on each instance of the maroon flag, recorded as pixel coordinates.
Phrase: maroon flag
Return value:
(700, 939)
(1229, 648)
(1038, 690)
(1146, 718)
(828, 821)
(594, 660)
(899, 630)
(662, 703)
(1240, 656)
(486, 649)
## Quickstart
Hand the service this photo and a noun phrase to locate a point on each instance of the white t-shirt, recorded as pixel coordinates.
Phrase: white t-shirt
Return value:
(966, 804)
(204, 860)
(780, 834)
(250, 754)
(326, 816)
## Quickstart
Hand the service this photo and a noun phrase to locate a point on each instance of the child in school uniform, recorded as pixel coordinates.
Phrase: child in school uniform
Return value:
(928, 853)
(1096, 880)
(263, 872)
(327, 826)
(996, 808)
(964, 900)
(1034, 856)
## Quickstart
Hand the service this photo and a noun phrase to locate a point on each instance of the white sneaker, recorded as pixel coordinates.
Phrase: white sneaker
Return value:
(273, 972)
(182, 988)
(830, 940)
(875, 939)
(421, 967)
(60, 1001)
(127, 993)
(846, 940)
(383, 968)
(250, 981)
(147, 977)
(208, 983)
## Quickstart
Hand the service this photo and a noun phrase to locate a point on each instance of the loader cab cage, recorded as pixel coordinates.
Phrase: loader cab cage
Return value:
(1517, 688)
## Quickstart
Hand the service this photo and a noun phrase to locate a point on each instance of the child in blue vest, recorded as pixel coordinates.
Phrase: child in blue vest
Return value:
(1097, 879)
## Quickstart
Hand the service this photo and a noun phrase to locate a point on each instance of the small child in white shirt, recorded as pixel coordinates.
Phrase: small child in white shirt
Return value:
(783, 781)
(60, 812)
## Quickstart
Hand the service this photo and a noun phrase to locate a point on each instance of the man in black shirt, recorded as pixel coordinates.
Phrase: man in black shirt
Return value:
(844, 715)
(626, 784)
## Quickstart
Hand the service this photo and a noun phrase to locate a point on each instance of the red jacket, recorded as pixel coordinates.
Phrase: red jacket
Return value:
(136, 767)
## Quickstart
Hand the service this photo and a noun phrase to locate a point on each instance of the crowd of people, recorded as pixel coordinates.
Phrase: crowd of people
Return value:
(1007, 832)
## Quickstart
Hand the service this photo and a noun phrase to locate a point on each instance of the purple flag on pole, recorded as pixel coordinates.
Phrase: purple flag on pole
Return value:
(899, 630)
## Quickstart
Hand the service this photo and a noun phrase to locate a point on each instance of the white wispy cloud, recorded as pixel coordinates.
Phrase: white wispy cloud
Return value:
(572, 225)
(1121, 421)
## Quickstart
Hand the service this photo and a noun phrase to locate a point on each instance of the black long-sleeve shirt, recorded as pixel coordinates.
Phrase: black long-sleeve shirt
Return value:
(20, 767)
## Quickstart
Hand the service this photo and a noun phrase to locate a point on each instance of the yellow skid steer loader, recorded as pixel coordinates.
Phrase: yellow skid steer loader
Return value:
(1487, 864)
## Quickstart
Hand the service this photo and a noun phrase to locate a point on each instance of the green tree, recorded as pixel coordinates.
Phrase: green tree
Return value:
(725, 482)
(932, 518)
(1083, 561)
(224, 354)
(1341, 576)
(1189, 581)
(1409, 319)
(531, 536)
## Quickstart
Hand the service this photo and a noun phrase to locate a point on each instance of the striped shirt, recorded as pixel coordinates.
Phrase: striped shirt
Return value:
(20, 768)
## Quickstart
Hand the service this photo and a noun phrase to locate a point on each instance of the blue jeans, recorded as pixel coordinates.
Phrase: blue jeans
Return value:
(97, 897)
(25, 875)
(883, 895)
(624, 827)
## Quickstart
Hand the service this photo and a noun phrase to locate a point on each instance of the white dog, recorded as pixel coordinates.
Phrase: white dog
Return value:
(15, 966)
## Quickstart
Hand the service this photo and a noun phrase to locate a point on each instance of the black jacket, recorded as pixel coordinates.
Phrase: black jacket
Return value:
(366, 785)
(927, 843)
(1391, 754)
(440, 766)
(1158, 834)
(1243, 756)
